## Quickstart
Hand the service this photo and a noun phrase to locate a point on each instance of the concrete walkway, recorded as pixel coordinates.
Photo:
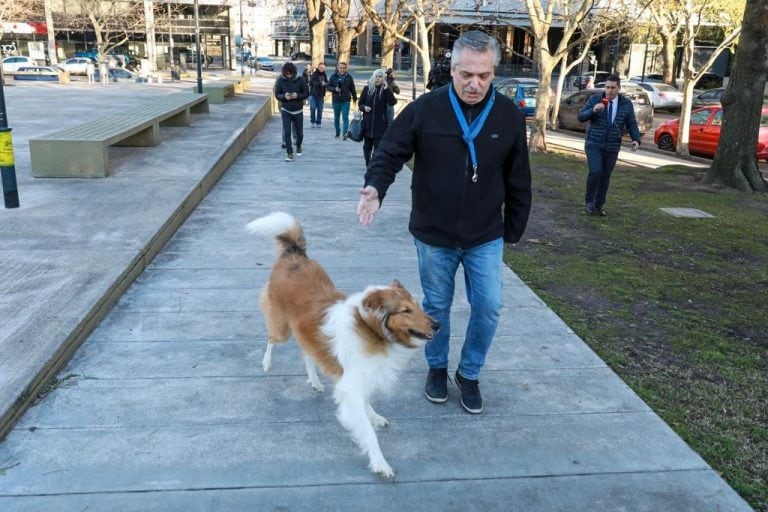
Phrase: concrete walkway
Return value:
(165, 406)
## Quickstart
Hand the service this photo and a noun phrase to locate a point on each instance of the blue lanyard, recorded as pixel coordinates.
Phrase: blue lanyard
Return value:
(471, 131)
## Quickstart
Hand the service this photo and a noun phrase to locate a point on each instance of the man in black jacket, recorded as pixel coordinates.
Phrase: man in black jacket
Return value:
(343, 92)
(471, 192)
(318, 81)
(291, 90)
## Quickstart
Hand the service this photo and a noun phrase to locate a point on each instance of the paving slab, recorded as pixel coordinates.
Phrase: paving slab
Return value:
(165, 406)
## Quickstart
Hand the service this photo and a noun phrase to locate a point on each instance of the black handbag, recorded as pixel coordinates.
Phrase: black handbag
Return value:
(355, 129)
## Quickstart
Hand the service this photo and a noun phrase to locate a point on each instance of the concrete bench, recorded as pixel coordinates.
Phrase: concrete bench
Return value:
(81, 151)
(219, 90)
(42, 76)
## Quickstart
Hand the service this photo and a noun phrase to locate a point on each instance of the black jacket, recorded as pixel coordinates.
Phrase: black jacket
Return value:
(317, 83)
(347, 86)
(376, 121)
(297, 85)
(448, 209)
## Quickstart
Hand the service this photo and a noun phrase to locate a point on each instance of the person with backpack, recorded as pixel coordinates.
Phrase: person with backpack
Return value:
(343, 91)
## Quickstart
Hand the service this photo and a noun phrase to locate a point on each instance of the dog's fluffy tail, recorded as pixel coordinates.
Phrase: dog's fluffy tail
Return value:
(286, 230)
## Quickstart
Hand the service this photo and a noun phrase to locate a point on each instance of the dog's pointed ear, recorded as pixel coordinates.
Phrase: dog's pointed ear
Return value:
(373, 301)
(397, 284)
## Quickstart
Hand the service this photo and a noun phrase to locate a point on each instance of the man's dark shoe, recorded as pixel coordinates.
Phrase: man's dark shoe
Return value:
(471, 400)
(436, 389)
(600, 212)
(589, 208)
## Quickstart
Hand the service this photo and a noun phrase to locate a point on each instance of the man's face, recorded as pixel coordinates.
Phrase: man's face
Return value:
(321, 67)
(342, 68)
(611, 89)
(473, 75)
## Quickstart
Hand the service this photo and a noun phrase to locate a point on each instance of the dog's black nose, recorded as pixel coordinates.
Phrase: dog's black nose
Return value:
(435, 326)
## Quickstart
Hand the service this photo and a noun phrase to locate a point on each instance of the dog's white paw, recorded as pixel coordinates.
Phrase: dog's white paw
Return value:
(378, 421)
(383, 469)
(317, 385)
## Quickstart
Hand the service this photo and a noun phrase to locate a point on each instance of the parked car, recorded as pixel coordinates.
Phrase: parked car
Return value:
(37, 73)
(580, 82)
(570, 106)
(663, 96)
(301, 56)
(77, 65)
(14, 62)
(120, 75)
(704, 133)
(263, 63)
(650, 77)
(706, 98)
(522, 91)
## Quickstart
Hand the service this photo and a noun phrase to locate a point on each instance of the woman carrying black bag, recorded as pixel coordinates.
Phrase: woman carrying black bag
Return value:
(373, 102)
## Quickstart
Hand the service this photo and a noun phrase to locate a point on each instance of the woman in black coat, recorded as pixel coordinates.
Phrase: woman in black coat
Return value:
(373, 102)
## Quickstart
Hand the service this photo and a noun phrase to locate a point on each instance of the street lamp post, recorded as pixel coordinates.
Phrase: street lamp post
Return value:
(7, 164)
(197, 49)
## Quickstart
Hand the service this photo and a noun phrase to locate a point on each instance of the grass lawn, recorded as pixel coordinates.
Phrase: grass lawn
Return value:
(678, 307)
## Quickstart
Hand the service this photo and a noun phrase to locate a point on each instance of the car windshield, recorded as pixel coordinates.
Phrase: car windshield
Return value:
(529, 92)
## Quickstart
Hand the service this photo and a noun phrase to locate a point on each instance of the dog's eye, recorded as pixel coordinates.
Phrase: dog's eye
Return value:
(407, 310)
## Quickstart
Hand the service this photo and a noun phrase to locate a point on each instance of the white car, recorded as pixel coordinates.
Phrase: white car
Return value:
(77, 65)
(663, 96)
(11, 64)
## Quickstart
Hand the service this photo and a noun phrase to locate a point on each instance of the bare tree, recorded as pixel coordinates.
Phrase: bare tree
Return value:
(112, 21)
(727, 13)
(669, 22)
(572, 14)
(735, 163)
(393, 21)
(346, 29)
(316, 17)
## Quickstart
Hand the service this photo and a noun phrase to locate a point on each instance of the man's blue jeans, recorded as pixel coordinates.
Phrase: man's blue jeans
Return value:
(482, 277)
(316, 104)
(600, 164)
(341, 110)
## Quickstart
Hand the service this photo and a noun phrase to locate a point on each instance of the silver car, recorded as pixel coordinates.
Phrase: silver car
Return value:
(570, 106)
(663, 96)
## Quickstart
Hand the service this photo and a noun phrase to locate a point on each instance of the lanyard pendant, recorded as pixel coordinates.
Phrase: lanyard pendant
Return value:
(474, 174)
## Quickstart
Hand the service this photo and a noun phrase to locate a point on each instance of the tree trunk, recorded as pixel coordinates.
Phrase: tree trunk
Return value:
(668, 41)
(317, 23)
(735, 163)
(538, 139)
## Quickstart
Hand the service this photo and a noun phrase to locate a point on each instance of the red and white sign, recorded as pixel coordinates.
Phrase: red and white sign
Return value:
(34, 27)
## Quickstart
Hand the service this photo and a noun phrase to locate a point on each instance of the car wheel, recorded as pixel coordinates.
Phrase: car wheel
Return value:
(666, 142)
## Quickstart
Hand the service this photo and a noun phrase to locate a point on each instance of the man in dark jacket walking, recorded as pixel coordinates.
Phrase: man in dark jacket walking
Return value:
(609, 115)
(343, 92)
(291, 90)
(471, 193)
(318, 81)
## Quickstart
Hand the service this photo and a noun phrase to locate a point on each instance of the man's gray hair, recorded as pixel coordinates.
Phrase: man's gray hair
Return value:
(477, 41)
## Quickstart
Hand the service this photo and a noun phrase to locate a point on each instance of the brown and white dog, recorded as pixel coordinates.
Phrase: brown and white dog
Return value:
(362, 341)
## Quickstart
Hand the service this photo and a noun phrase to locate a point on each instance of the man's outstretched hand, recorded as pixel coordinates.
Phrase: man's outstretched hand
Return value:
(368, 205)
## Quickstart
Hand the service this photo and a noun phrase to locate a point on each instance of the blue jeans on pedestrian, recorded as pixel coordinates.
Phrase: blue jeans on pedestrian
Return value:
(482, 278)
(316, 104)
(600, 164)
(341, 110)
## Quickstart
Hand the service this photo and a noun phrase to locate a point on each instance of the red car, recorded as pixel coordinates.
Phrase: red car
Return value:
(704, 133)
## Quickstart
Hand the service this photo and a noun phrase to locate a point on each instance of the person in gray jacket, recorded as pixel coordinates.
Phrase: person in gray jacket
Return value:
(610, 115)
(291, 90)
